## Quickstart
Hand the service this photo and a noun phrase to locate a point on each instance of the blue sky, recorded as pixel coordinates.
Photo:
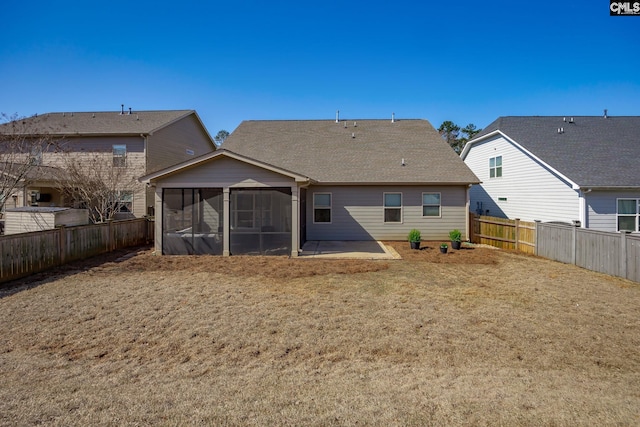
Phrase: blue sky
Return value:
(465, 61)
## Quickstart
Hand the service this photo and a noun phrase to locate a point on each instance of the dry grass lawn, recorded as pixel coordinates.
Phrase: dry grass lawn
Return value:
(474, 337)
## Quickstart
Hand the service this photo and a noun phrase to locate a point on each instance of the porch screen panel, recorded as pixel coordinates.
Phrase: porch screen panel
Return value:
(260, 221)
(192, 221)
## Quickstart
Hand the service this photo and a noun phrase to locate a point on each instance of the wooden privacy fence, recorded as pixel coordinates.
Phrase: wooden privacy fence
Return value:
(616, 254)
(503, 233)
(28, 253)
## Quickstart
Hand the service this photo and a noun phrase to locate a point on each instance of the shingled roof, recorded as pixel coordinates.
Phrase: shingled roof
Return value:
(353, 151)
(97, 123)
(592, 151)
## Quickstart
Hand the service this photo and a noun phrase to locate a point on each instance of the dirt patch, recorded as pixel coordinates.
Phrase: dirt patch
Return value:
(430, 252)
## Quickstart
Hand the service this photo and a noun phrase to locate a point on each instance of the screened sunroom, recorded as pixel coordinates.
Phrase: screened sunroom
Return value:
(193, 221)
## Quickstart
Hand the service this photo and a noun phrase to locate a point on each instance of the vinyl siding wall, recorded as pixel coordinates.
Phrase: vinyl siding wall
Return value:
(225, 172)
(358, 213)
(168, 146)
(602, 207)
(533, 192)
(88, 147)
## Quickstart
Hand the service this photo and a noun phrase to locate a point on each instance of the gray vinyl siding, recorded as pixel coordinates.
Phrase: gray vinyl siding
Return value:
(168, 146)
(226, 172)
(358, 213)
(532, 191)
(602, 207)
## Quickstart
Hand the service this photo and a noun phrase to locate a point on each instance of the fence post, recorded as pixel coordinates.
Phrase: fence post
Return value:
(535, 237)
(62, 244)
(110, 236)
(623, 255)
(517, 233)
(574, 247)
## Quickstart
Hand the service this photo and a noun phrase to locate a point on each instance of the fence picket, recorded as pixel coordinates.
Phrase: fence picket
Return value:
(616, 254)
(28, 253)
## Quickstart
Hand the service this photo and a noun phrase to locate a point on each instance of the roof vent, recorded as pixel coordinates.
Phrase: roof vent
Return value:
(93, 116)
(353, 134)
(393, 120)
(403, 163)
(571, 120)
(337, 116)
(129, 110)
(121, 109)
(605, 113)
(560, 130)
(345, 125)
(355, 124)
(564, 119)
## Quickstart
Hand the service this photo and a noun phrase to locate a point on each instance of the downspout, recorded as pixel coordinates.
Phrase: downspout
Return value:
(147, 203)
(583, 207)
(466, 214)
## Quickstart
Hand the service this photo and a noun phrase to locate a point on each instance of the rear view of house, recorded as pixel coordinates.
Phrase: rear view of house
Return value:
(275, 184)
(580, 169)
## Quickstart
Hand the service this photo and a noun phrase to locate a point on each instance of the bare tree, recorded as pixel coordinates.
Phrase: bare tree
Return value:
(99, 182)
(22, 142)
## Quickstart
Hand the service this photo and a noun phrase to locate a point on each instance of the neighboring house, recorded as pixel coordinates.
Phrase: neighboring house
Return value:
(275, 184)
(562, 169)
(138, 143)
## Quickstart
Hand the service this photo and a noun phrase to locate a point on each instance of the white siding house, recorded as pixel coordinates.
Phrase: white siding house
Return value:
(558, 169)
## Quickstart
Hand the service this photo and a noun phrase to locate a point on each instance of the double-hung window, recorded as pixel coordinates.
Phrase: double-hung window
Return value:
(628, 214)
(119, 156)
(392, 207)
(321, 207)
(125, 201)
(431, 204)
(495, 167)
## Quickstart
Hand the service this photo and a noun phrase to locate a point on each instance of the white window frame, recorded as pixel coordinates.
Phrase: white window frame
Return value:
(494, 169)
(329, 207)
(636, 215)
(439, 205)
(125, 198)
(385, 208)
(119, 152)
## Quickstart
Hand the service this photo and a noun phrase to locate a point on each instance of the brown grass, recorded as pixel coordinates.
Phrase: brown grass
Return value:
(474, 337)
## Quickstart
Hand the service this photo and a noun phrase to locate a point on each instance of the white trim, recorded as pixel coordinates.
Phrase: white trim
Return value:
(439, 205)
(385, 207)
(313, 198)
(147, 179)
(636, 215)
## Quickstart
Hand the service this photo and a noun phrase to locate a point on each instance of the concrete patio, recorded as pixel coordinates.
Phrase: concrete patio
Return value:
(348, 250)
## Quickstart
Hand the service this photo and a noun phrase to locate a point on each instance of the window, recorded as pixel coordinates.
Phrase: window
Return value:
(495, 167)
(35, 157)
(125, 201)
(431, 204)
(392, 207)
(119, 156)
(628, 214)
(322, 207)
